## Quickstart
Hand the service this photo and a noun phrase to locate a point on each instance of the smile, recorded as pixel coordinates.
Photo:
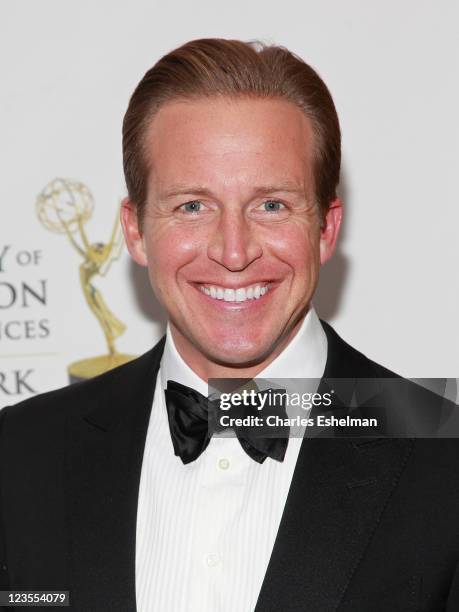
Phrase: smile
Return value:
(241, 294)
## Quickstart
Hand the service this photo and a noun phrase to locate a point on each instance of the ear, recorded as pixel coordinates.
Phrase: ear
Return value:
(132, 232)
(330, 230)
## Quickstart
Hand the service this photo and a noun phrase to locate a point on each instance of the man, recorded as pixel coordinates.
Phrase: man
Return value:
(232, 157)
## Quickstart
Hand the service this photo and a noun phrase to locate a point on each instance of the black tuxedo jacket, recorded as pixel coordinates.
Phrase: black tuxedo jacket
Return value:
(368, 526)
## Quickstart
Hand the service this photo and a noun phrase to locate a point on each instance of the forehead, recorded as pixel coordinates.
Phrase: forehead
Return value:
(229, 141)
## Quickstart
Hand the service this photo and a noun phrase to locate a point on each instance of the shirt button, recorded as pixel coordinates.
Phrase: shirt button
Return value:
(223, 463)
(212, 560)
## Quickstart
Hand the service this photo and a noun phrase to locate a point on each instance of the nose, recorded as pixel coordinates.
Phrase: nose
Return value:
(234, 243)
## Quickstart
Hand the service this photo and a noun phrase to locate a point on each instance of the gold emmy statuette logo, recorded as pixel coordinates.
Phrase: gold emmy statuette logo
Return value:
(64, 207)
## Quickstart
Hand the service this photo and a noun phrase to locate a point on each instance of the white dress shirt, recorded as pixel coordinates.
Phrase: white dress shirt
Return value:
(206, 530)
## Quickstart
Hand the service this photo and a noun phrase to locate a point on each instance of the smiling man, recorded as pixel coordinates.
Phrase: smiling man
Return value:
(232, 232)
(116, 490)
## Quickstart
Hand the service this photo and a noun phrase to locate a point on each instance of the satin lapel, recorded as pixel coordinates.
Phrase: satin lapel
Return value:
(338, 492)
(103, 465)
(336, 498)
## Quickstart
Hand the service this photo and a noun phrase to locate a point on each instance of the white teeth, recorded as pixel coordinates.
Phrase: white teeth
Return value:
(235, 295)
(240, 295)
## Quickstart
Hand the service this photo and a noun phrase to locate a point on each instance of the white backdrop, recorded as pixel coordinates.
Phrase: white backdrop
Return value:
(67, 71)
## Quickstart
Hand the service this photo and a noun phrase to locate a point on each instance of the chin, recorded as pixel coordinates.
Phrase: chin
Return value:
(239, 351)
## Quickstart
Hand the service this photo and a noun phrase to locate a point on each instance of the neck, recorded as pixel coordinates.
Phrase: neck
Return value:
(207, 369)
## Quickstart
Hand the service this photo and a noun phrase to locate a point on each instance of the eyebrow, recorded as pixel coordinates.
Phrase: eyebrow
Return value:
(199, 190)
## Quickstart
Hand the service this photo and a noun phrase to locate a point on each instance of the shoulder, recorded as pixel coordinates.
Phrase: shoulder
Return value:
(344, 361)
(46, 409)
(407, 408)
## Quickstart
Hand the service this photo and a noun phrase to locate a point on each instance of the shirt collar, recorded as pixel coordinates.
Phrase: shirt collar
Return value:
(304, 357)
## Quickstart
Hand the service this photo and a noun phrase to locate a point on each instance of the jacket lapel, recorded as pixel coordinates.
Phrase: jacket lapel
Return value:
(105, 445)
(336, 498)
(338, 492)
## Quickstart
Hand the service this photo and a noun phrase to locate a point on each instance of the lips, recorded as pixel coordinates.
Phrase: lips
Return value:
(241, 294)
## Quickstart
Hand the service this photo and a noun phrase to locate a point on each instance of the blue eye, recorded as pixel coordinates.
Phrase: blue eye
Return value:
(192, 207)
(273, 205)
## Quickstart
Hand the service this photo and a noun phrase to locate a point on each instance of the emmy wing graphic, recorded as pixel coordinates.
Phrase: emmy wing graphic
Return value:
(64, 207)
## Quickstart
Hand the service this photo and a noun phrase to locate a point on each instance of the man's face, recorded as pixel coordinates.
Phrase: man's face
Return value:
(231, 233)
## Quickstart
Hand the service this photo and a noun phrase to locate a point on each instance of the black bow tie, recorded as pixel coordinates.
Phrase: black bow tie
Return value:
(192, 422)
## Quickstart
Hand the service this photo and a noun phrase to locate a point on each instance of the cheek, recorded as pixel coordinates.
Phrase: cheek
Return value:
(298, 247)
(168, 250)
